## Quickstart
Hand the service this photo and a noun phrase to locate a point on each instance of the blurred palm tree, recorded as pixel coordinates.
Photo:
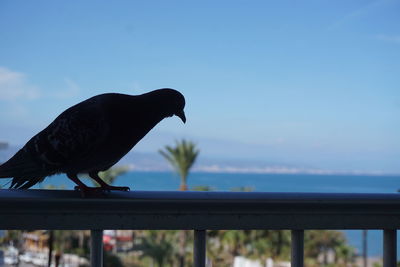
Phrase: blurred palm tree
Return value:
(182, 158)
(321, 243)
(344, 254)
(157, 245)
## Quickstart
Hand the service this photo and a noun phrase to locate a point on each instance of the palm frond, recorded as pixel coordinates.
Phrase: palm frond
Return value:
(181, 157)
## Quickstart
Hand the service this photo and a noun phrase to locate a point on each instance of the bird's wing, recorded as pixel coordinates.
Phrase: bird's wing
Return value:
(71, 136)
(74, 135)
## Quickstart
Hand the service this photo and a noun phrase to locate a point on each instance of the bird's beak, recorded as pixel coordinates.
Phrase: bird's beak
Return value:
(181, 114)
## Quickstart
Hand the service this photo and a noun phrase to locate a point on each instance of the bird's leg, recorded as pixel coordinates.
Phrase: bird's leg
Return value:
(84, 189)
(104, 185)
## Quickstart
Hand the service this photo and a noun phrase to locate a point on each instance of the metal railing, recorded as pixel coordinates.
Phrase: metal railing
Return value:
(200, 211)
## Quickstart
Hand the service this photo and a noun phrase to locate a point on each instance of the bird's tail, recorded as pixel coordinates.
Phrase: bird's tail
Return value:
(18, 165)
(24, 171)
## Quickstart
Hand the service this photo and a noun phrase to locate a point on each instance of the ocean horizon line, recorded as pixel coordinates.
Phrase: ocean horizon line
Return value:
(266, 170)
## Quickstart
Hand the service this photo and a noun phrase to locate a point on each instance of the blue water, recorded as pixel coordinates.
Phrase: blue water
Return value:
(266, 183)
(260, 182)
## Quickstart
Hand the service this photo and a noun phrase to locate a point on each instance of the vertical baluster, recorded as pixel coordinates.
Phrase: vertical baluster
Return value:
(96, 248)
(389, 248)
(297, 257)
(365, 247)
(199, 248)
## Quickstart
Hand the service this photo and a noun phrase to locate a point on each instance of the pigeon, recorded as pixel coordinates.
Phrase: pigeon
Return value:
(90, 137)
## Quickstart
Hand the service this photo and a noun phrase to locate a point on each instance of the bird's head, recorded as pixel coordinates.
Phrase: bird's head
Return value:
(172, 101)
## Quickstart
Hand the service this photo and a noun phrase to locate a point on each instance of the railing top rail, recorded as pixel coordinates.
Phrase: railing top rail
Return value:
(64, 209)
(35, 194)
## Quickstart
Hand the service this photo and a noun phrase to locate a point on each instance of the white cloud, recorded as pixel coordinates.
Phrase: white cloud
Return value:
(389, 38)
(13, 85)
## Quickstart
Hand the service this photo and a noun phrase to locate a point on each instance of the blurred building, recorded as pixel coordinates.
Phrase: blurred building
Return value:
(3, 145)
(35, 241)
(118, 240)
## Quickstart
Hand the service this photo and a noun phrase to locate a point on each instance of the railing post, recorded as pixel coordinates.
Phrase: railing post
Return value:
(365, 247)
(96, 248)
(389, 248)
(199, 248)
(297, 257)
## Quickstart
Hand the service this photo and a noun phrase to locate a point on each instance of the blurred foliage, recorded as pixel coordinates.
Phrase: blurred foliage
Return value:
(52, 187)
(202, 188)
(162, 247)
(181, 157)
(158, 245)
(111, 260)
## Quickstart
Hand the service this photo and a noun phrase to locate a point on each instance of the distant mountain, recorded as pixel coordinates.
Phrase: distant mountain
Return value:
(147, 161)
(153, 161)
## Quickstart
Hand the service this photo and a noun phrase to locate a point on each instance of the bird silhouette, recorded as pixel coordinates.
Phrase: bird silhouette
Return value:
(90, 137)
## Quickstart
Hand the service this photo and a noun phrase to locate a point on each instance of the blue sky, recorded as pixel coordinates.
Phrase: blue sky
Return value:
(312, 83)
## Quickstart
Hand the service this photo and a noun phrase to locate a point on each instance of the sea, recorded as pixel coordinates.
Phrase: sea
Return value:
(264, 183)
